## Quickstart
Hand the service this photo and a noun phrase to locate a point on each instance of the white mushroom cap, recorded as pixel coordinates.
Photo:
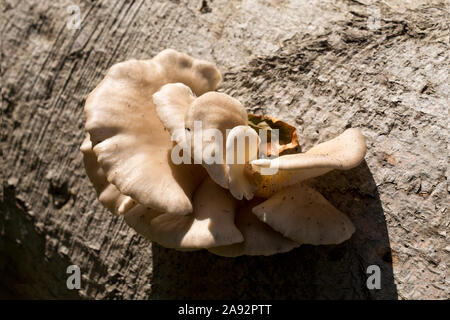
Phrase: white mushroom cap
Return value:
(172, 102)
(218, 111)
(199, 75)
(211, 224)
(343, 152)
(129, 140)
(259, 238)
(302, 214)
(189, 118)
(239, 182)
(107, 193)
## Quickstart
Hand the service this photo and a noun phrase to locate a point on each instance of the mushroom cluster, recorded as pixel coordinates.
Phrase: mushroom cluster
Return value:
(145, 111)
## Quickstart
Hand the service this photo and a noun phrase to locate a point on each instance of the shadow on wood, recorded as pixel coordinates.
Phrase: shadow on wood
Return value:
(308, 272)
(29, 270)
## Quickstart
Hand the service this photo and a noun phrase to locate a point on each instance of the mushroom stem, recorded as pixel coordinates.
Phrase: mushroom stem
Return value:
(343, 152)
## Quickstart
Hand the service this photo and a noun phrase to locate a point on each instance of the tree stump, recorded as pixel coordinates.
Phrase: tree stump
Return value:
(322, 66)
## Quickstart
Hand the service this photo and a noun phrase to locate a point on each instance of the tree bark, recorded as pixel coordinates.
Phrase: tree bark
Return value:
(320, 65)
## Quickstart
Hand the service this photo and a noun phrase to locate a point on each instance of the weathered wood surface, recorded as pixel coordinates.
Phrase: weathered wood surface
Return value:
(321, 65)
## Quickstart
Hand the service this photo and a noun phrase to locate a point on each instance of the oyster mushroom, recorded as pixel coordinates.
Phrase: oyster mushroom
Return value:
(131, 144)
(180, 163)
